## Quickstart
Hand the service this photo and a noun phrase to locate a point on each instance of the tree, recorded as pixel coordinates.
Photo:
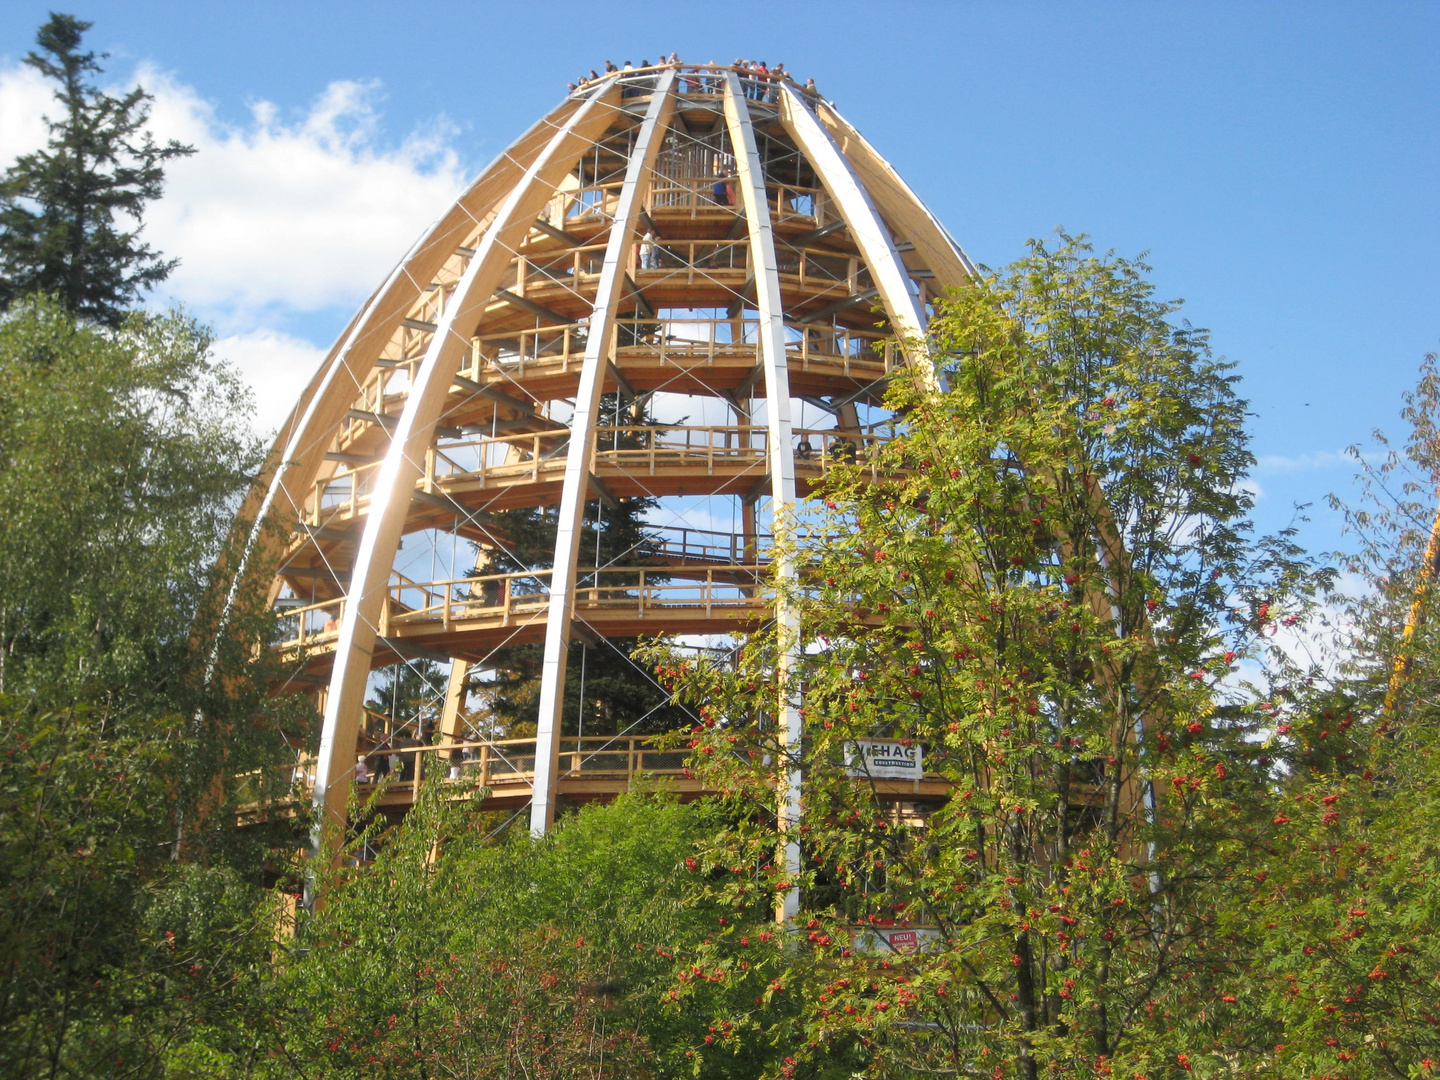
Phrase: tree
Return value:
(130, 730)
(411, 695)
(66, 211)
(471, 950)
(1331, 920)
(1048, 592)
(606, 692)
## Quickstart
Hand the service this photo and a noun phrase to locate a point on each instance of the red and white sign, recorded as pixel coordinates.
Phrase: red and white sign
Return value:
(883, 940)
(904, 941)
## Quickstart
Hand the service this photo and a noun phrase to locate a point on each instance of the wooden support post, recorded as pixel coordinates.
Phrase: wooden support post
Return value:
(452, 718)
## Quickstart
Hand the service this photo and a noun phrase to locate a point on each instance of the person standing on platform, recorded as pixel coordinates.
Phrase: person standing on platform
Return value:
(777, 76)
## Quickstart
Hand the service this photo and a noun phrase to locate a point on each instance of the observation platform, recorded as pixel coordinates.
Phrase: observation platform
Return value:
(591, 768)
(509, 374)
(470, 617)
(678, 241)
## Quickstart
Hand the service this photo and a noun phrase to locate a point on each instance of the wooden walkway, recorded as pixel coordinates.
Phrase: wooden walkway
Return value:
(591, 768)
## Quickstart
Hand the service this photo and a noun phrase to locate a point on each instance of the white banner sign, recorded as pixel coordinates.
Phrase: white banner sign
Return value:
(884, 759)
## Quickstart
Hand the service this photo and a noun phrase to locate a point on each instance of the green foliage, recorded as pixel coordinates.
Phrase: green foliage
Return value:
(122, 461)
(127, 729)
(1329, 921)
(62, 209)
(111, 950)
(465, 951)
(1041, 593)
(412, 695)
(1146, 868)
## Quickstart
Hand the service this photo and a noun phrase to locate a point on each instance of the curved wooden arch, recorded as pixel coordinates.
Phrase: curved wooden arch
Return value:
(793, 239)
(578, 469)
(412, 435)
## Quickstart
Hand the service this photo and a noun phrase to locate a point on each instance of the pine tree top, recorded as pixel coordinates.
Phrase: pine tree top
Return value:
(64, 210)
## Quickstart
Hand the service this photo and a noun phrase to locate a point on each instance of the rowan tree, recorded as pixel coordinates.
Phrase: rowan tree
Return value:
(1330, 921)
(1049, 589)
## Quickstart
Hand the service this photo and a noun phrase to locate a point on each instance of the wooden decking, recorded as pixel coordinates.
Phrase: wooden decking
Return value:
(591, 768)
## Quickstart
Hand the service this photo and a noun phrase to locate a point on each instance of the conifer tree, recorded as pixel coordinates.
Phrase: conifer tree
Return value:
(70, 214)
(606, 693)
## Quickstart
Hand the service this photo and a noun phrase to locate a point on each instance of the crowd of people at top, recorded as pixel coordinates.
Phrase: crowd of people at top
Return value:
(760, 81)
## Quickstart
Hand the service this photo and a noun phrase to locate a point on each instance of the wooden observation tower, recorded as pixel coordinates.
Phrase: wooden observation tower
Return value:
(700, 244)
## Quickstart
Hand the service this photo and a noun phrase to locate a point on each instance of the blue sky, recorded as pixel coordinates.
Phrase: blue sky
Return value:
(1277, 161)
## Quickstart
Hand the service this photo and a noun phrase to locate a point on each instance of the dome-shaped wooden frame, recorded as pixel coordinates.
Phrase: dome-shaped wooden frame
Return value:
(527, 293)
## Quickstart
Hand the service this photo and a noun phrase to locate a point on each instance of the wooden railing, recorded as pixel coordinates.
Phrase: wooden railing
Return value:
(531, 456)
(318, 624)
(707, 589)
(714, 191)
(710, 545)
(506, 765)
(502, 763)
(508, 599)
(684, 342)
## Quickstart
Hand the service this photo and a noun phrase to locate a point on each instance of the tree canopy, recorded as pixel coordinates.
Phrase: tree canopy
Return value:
(129, 732)
(1049, 596)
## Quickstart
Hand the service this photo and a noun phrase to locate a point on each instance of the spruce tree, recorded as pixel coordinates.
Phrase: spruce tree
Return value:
(70, 214)
(606, 692)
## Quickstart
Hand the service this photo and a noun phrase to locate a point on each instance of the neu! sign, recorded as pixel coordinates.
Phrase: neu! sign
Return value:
(884, 759)
(881, 940)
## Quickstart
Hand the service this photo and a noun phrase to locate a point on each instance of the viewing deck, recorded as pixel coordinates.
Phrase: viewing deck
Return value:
(591, 768)
(470, 616)
(472, 476)
(508, 372)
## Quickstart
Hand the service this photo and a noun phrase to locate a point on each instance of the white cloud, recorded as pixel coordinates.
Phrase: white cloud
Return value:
(300, 215)
(25, 97)
(270, 218)
(1320, 459)
(270, 214)
(277, 367)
